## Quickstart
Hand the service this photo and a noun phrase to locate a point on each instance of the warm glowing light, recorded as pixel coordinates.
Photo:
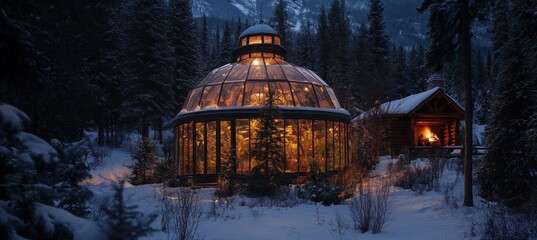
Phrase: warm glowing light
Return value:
(429, 136)
(256, 62)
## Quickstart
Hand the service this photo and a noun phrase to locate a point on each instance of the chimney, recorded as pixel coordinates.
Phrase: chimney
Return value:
(436, 79)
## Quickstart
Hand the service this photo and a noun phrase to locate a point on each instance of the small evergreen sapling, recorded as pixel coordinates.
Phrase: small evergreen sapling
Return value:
(124, 222)
(145, 161)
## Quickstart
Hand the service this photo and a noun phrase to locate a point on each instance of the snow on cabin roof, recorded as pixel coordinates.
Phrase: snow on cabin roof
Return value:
(258, 29)
(407, 104)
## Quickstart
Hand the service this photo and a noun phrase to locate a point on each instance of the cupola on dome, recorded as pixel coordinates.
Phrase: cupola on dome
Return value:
(230, 98)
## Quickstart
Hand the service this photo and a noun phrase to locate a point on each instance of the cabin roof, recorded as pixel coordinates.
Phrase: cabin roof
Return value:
(410, 104)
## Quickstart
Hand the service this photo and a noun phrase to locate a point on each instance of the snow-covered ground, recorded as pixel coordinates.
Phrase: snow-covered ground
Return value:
(413, 216)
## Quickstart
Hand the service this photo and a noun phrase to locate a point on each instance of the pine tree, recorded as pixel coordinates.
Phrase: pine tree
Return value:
(280, 22)
(508, 171)
(184, 43)
(71, 171)
(150, 64)
(305, 46)
(377, 43)
(324, 45)
(124, 222)
(205, 56)
(339, 76)
(400, 67)
(450, 20)
(226, 48)
(268, 154)
(145, 161)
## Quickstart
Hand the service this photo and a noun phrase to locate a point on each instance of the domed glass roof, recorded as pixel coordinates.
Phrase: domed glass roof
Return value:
(260, 70)
(248, 82)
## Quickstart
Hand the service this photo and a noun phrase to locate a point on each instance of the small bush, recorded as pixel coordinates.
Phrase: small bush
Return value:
(419, 178)
(319, 187)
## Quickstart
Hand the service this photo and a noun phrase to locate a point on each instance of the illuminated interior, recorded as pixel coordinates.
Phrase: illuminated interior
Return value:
(219, 118)
(431, 134)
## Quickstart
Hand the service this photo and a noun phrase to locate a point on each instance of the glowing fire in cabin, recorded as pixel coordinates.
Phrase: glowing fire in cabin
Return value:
(428, 137)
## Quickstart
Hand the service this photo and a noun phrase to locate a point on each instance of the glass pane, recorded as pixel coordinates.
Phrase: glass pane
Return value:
(277, 40)
(255, 40)
(193, 101)
(242, 136)
(257, 70)
(243, 42)
(221, 74)
(210, 96)
(337, 146)
(189, 147)
(307, 74)
(200, 148)
(322, 97)
(238, 73)
(305, 146)
(225, 145)
(333, 97)
(267, 39)
(319, 151)
(255, 93)
(231, 95)
(291, 145)
(317, 77)
(207, 78)
(292, 74)
(330, 146)
(281, 93)
(211, 147)
(270, 61)
(254, 127)
(280, 61)
(304, 95)
(181, 162)
(275, 72)
(279, 136)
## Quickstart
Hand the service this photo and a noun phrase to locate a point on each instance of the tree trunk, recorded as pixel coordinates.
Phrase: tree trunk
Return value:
(145, 128)
(100, 134)
(465, 55)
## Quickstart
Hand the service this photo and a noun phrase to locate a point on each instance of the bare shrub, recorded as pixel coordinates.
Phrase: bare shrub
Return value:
(181, 213)
(340, 226)
(500, 222)
(222, 208)
(371, 208)
(381, 205)
(360, 207)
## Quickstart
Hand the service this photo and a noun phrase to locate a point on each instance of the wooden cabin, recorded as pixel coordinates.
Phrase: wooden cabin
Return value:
(429, 118)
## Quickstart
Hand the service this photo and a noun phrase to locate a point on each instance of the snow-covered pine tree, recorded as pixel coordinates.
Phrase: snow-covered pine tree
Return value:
(400, 73)
(31, 176)
(71, 170)
(204, 53)
(123, 221)
(145, 162)
(149, 84)
(508, 170)
(417, 72)
(268, 151)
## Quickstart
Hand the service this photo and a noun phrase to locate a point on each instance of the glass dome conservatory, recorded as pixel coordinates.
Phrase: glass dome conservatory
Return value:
(221, 113)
